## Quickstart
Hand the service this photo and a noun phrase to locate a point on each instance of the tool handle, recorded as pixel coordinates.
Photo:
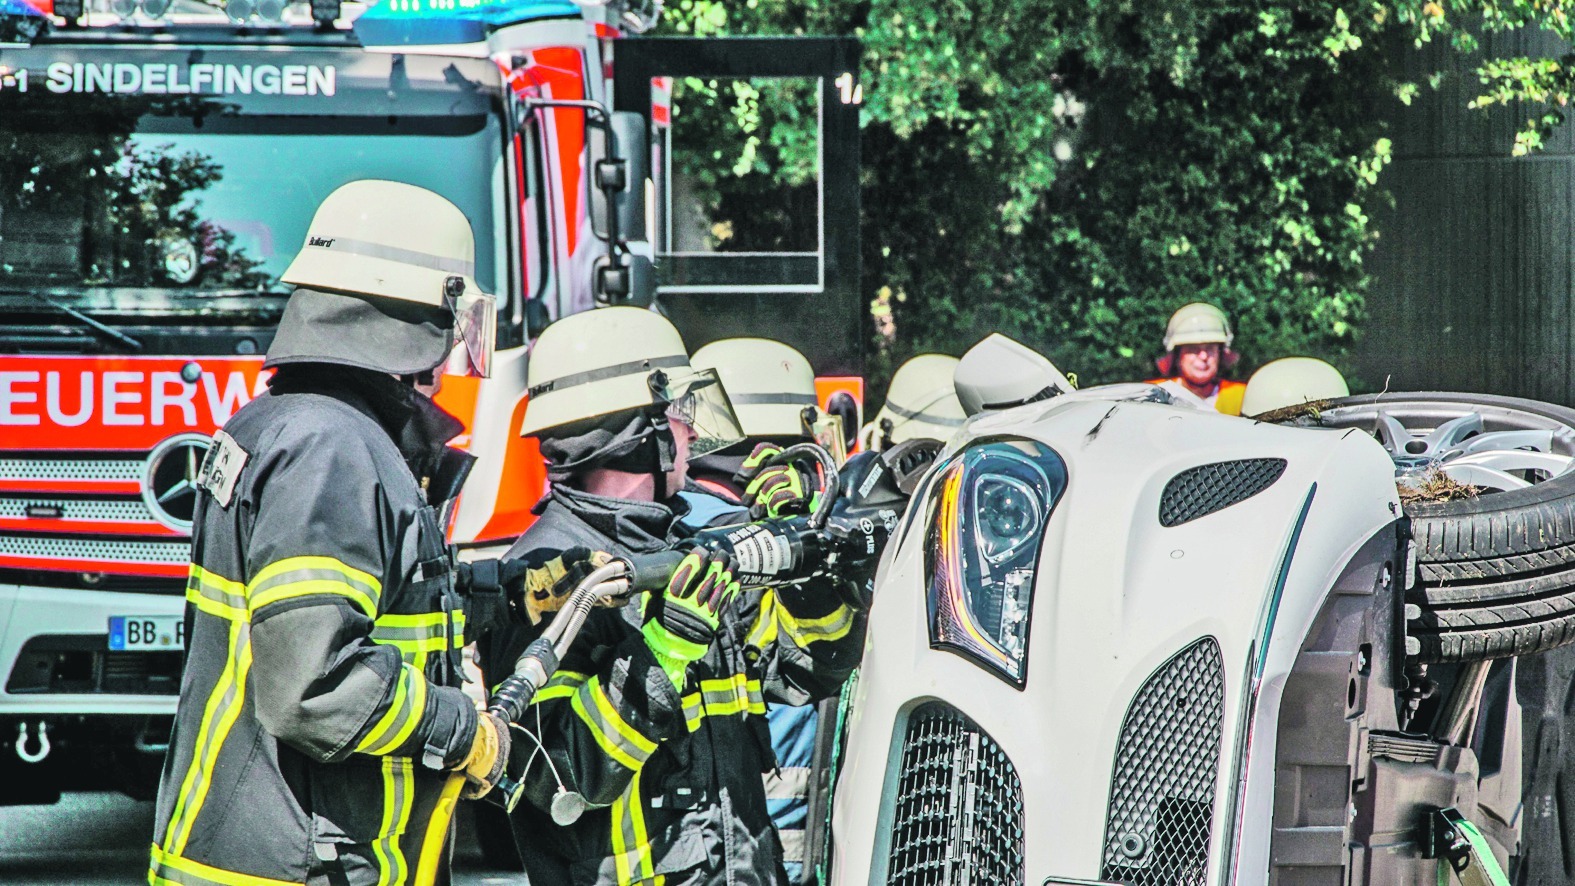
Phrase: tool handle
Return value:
(651, 572)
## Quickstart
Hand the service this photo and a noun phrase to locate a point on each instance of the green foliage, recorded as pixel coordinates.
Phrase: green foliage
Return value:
(1069, 172)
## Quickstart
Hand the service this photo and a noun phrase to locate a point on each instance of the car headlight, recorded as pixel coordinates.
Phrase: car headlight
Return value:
(991, 503)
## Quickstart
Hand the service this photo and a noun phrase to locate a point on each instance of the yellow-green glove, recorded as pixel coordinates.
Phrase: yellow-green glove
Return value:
(776, 491)
(682, 620)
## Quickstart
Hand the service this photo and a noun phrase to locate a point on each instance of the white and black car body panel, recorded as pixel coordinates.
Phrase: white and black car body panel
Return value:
(1118, 596)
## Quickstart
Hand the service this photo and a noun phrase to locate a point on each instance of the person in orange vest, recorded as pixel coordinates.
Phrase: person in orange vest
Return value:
(1197, 348)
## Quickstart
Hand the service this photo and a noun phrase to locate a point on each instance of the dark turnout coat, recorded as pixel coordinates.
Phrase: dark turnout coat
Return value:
(672, 777)
(319, 702)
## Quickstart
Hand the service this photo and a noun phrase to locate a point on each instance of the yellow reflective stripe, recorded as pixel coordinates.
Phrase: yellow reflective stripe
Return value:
(764, 631)
(723, 697)
(562, 685)
(419, 635)
(833, 626)
(398, 798)
(169, 867)
(224, 706)
(295, 577)
(214, 594)
(631, 845)
(618, 739)
(404, 712)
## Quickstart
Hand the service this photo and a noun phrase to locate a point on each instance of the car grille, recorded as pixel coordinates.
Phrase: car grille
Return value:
(1206, 489)
(959, 805)
(1166, 768)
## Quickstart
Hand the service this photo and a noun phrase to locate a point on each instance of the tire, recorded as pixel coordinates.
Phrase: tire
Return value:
(1495, 574)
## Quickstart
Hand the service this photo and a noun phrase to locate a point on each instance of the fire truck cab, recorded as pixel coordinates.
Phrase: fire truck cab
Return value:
(159, 163)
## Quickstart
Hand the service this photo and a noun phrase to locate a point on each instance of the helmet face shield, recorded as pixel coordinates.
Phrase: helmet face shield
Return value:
(698, 400)
(475, 331)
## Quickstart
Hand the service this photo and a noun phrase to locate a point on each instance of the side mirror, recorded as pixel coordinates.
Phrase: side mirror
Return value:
(634, 150)
(619, 168)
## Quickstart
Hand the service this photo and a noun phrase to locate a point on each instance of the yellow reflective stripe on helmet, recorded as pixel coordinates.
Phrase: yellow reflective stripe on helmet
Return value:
(404, 712)
(618, 739)
(398, 798)
(216, 595)
(295, 577)
(631, 844)
(562, 685)
(832, 626)
(224, 706)
(169, 867)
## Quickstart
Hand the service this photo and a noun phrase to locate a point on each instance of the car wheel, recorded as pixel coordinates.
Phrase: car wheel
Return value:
(1492, 506)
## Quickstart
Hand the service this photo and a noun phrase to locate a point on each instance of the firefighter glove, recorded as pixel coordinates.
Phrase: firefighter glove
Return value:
(541, 583)
(778, 490)
(489, 753)
(681, 620)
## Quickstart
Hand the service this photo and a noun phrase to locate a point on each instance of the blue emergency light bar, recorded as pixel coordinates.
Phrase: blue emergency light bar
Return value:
(444, 22)
(21, 21)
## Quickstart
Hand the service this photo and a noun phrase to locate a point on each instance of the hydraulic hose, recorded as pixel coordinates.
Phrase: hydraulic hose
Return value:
(828, 467)
(533, 669)
(432, 845)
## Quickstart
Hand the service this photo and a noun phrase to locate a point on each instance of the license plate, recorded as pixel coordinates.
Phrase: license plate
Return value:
(145, 633)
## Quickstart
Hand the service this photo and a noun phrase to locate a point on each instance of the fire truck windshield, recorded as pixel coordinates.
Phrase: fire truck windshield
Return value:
(123, 203)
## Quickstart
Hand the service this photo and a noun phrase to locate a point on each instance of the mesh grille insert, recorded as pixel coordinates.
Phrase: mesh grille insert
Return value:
(116, 510)
(1205, 489)
(1166, 768)
(94, 549)
(71, 469)
(959, 815)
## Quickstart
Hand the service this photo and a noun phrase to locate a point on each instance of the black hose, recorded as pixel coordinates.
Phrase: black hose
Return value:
(833, 483)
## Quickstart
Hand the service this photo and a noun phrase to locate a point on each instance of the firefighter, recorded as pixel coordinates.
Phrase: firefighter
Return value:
(320, 710)
(1197, 349)
(1292, 381)
(920, 403)
(772, 388)
(650, 743)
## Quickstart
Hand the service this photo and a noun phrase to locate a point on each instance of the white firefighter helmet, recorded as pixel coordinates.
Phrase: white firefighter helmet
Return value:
(1291, 381)
(611, 360)
(769, 383)
(395, 241)
(1000, 372)
(920, 403)
(1198, 324)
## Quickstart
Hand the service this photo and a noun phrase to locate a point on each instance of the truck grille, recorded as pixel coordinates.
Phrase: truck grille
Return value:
(1166, 767)
(959, 806)
(84, 515)
(1206, 489)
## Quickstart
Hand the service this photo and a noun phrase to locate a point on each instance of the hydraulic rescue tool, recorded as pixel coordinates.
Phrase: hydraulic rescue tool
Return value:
(838, 540)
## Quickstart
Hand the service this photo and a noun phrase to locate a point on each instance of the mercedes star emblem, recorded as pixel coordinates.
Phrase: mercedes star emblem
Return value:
(169, 485)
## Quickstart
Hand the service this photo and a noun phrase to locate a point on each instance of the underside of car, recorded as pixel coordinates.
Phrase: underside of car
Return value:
(1197, 649)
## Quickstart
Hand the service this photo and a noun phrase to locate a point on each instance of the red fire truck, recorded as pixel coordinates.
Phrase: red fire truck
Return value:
(159, 163)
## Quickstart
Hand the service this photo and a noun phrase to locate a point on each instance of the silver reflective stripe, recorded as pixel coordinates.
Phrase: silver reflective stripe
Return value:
(792, 845)
(774, 399)
(791, 783)
(633, 367)
(932, 419)
(394, 253)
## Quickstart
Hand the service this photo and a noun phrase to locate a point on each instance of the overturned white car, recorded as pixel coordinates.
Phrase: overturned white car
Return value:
(1121, 641)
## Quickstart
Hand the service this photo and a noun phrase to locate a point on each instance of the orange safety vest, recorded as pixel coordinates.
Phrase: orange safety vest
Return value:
(1226, 400)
